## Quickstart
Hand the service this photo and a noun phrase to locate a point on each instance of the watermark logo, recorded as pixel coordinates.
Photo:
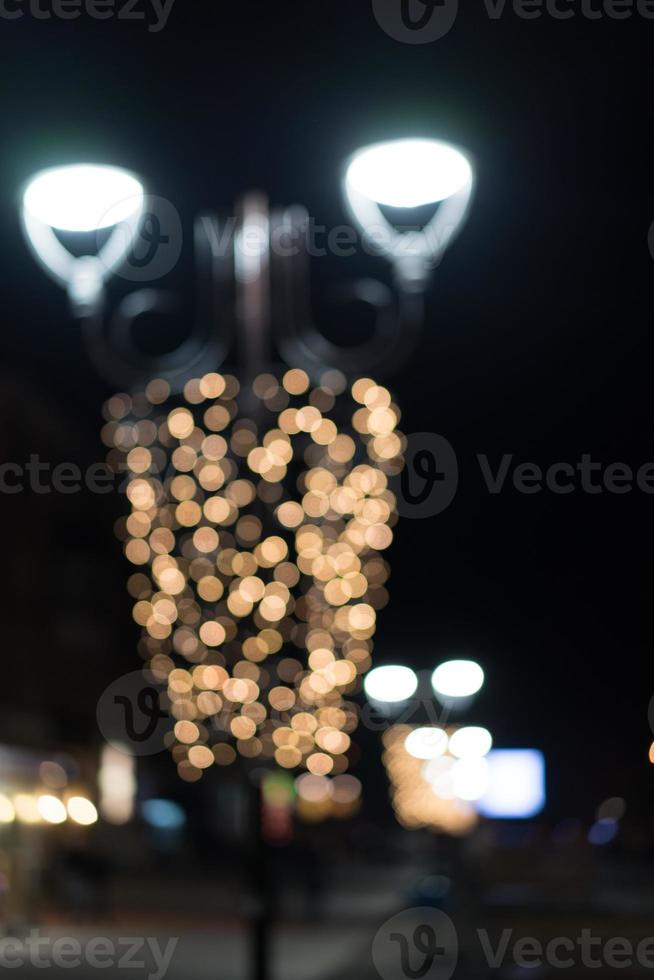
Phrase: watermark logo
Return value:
(152, 239)
(425, 21)
(428, 482)
(424, 488)
(422, 944)
(417, 944)
(416, 21)
(129, 715)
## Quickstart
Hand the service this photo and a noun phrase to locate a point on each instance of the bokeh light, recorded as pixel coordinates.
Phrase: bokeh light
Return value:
(516, 784)
(471, 742)
(51, 809)
(423, 792)
(7, 810)
(82, 811)
(391, 684)
(457, 679)
(426, 743)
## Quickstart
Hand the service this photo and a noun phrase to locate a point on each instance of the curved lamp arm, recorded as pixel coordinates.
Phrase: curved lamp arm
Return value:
(84, 276)
(414, 254)
(297, 337)
(113, 350)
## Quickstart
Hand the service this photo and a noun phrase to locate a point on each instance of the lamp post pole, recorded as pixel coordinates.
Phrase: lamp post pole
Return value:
(252, 317)
(262, 887)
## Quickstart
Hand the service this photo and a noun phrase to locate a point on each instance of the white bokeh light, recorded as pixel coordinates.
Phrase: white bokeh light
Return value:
(471, 743)
(457, 679)
(426, 743)
(83, 197)
(438, 773)
(390, 684)
(470, 779)
(408, 173)
(26, 808)
(51, 809)
(82, 811)
(7, 811)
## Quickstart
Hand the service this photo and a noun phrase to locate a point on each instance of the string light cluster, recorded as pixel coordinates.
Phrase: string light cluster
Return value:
(258, 524)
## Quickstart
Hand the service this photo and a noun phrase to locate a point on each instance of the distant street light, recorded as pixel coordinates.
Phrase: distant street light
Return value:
(390, 684)
(455, 683)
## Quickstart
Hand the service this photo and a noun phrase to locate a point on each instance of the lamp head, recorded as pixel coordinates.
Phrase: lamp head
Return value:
(82, 198)
(407, 174)
(390, 687)
(456, 682)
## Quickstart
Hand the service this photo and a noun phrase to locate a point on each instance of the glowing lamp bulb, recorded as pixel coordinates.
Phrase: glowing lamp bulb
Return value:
(82, 811)
(408, 173)
(390, 684)
(51, 809)
(457, 679)
(426, 743)
(83, 197)
(471, 743)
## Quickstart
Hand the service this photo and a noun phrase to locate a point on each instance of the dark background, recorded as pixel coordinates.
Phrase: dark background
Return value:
(537, 340)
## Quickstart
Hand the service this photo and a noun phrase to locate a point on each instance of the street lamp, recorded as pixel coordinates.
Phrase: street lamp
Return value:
(253, 279)
(456, 682)
(391, 685)
(82, 199)
(220, 543)
(437, 772)
(408, 174)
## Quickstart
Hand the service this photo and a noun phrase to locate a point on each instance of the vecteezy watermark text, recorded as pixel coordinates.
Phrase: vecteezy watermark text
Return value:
(426, 21)
(317, 240)
(423, 942)
(567, 9)
(41, 477)
(564, 952)
(153, 12)
(585, 475)
(99, 952)
(424, 487)
(428, 483)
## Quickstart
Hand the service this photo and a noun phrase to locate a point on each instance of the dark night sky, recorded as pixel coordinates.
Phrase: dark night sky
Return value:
(538, 334)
